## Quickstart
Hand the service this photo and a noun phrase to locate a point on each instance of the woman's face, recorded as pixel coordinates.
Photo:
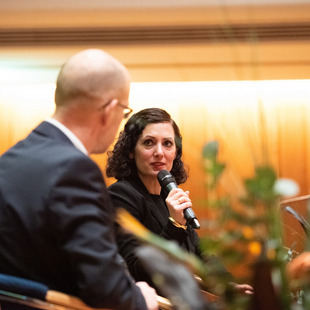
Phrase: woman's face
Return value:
(155, 150)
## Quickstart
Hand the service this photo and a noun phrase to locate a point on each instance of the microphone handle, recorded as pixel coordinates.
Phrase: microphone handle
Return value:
(190, 216)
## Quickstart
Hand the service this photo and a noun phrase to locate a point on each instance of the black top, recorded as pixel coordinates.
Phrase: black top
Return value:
(152, 212)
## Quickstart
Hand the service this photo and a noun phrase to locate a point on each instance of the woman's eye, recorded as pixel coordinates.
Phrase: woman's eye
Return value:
(147, 142)
(168, 143)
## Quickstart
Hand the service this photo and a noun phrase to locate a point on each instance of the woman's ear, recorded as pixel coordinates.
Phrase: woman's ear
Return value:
(131, 155)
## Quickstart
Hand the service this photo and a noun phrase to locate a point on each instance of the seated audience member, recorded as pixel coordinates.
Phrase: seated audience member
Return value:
(150, 142)
(55, 211)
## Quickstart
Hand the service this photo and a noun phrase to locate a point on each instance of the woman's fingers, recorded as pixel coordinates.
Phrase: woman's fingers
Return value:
(177, 201)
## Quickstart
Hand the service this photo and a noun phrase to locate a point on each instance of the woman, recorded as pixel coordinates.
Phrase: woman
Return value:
(150, 142)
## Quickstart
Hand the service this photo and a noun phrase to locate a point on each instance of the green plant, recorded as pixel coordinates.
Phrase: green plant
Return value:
(249, 228)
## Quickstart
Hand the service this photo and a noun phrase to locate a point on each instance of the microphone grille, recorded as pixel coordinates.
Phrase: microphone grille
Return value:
(164, 177)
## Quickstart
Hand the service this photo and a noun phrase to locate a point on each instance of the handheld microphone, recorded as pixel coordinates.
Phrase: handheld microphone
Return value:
(167, 182)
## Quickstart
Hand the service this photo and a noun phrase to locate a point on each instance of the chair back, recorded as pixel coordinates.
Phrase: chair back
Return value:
(22, 294)
(294, 213)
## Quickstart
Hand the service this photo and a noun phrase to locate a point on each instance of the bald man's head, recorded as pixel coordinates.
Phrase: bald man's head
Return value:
(88, 76)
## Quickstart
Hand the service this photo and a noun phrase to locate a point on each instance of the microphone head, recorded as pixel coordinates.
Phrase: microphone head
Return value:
(164, 178)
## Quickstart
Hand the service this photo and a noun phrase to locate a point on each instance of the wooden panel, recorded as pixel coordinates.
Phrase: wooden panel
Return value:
(191, 62)
(72, 16)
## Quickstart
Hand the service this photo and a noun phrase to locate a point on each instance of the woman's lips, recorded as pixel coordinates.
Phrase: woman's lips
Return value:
(158, 166)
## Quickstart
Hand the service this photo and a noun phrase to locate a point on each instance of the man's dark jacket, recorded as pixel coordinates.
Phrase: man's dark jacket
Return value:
(56, 222)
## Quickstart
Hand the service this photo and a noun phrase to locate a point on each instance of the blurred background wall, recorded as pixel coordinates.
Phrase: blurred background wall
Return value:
(235, 71)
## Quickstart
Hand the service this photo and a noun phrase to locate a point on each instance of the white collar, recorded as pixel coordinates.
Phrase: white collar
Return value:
(71, 136)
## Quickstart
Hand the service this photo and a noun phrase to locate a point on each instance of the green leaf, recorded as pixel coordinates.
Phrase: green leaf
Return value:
(261, 187)
(210, 150)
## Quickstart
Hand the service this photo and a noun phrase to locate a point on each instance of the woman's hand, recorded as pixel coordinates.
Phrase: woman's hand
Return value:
(298, 270)
(177, 201)
(244, 289)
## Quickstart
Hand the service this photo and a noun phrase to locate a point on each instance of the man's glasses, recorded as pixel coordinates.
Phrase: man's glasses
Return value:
(126, 110)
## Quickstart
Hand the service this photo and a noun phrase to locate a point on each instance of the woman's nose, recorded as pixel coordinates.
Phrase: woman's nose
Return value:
(158, 150)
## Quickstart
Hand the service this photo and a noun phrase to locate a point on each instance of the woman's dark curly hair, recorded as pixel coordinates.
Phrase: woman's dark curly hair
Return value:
(120, 165)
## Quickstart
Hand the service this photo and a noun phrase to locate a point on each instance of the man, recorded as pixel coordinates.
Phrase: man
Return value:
(56, 218)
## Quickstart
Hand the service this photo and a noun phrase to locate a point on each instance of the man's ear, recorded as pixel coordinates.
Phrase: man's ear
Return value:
(108, 110)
